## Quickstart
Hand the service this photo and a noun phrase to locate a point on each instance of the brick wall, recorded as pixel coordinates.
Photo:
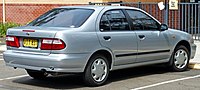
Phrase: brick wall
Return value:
(24, 13)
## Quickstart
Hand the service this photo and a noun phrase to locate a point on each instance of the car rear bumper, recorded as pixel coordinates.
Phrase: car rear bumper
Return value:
(193, 50)
(66, 63)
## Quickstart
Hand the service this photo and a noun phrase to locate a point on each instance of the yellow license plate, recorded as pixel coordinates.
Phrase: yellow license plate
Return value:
(33, 43)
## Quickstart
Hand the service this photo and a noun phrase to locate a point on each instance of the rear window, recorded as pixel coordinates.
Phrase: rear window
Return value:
(63, 17)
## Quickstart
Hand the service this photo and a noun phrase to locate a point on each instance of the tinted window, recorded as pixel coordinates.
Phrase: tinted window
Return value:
(114, 20)
(104, 24)
(141, 21)
(63, 17)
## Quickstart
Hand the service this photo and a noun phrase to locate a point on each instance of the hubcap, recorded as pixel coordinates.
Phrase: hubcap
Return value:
(181, 58)
(99, 70)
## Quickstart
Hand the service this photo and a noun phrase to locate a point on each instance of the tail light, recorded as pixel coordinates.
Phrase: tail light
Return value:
(52, 44)
(12, 41)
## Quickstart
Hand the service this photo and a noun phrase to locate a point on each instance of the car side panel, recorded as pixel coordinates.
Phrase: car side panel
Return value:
(175, 36)
(154, 47)
(122, 44)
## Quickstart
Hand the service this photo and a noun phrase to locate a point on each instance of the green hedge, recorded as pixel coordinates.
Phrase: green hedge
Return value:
(5, 26)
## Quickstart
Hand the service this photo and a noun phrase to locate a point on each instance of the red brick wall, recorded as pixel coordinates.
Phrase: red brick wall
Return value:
(154, 11)
(174, 19)
(24, 13)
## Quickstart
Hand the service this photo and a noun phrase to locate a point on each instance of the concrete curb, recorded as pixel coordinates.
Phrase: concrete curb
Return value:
(194, 66)
(2, 48)
(195, 62)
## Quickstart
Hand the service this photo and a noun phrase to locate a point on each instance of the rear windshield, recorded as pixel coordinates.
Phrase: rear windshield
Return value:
(63, 17)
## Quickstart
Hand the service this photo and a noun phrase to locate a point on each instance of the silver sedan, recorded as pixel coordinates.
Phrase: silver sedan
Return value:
(94, 40)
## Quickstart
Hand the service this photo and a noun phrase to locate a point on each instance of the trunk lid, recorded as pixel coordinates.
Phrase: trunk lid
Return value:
(30, 38)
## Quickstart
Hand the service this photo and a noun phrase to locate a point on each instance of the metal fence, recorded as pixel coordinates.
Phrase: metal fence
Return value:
(186, 18)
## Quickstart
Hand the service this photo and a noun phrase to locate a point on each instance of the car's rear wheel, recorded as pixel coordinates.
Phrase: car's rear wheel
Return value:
(180, 58)
(97, 70)
(37, 74)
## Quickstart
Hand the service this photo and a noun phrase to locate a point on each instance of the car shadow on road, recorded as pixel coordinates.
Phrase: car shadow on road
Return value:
(75, 81)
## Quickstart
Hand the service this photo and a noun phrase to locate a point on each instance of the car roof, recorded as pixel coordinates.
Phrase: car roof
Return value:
(100, 7)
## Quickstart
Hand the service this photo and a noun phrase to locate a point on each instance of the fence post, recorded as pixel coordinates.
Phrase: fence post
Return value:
(166, 12)
(139, 5)
(4, 11)
(198, 20)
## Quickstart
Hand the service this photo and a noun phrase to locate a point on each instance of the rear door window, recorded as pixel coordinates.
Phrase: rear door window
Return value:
(63, 17)
(114, 20)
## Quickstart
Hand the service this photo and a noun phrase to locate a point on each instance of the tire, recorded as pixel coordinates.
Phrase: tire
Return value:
(37, 74)
(96, 71)
(180, 59)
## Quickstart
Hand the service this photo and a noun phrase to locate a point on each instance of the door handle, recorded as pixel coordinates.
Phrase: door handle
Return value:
(107, 38)
(142, 37)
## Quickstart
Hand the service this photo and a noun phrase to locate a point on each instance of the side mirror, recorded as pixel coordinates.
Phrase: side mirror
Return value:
(163, 27)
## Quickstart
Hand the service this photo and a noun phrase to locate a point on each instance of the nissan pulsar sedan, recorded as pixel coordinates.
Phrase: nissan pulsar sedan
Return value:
(94, 40)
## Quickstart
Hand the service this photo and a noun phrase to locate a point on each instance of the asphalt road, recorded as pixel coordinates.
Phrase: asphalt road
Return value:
(145, 78)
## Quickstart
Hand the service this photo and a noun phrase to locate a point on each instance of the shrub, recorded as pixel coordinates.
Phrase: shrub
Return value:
(5, 26)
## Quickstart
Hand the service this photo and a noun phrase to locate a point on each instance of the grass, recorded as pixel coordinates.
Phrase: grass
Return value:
(5, 26)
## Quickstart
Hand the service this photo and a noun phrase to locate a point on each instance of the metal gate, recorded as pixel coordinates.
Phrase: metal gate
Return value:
(186, 18)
